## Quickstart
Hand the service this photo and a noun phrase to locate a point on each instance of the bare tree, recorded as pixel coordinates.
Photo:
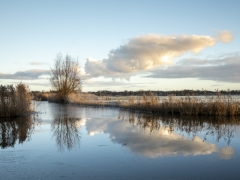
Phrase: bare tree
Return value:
(65, 76)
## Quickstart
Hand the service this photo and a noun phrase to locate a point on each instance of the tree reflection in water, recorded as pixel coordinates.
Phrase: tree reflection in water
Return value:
(16, 130)
(65, 130)
(216, 127)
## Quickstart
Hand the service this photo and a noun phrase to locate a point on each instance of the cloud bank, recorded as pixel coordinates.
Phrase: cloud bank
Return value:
(148, 52)
(25, 75)
(225, 69)
(38, 63)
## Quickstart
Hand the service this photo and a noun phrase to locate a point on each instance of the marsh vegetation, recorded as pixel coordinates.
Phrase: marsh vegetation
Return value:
(15, 100)
(189, 105)
(219, 105)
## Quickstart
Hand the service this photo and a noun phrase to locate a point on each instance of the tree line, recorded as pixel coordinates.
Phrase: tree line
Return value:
(164, 93)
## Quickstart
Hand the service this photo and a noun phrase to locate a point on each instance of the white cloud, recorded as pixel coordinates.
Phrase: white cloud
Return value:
(148, 52)
(38, 63)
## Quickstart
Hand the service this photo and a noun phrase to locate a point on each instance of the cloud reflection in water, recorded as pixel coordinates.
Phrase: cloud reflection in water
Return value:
(154, 136)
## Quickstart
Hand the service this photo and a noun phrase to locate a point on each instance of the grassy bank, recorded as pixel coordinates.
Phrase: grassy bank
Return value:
(15, 100)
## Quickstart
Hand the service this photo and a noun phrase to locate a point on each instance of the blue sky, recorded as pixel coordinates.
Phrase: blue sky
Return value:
(117, 43)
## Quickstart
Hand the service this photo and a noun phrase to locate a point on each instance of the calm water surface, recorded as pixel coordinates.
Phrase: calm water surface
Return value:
(72, 142)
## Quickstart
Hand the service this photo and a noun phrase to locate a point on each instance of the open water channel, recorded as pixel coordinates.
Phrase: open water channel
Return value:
(74, 142)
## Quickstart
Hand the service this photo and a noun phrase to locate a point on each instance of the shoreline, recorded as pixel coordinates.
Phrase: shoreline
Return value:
(174, 112)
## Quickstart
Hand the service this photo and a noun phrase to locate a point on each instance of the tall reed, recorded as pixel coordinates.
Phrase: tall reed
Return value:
(15, 101)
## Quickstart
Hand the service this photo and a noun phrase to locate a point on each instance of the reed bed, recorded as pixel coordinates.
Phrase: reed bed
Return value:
(189, 105)
(15, 101)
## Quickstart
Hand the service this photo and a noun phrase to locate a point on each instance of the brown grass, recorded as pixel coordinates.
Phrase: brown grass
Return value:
(189, 105)
(41, 96)
(86, 99)
(15, 101)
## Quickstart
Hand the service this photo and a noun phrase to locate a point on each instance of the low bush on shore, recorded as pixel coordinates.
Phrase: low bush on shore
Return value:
(15, 101)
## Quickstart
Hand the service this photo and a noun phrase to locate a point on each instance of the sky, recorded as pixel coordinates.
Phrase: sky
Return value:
(123, 45)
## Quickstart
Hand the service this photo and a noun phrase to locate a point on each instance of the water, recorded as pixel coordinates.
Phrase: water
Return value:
(72, 142)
